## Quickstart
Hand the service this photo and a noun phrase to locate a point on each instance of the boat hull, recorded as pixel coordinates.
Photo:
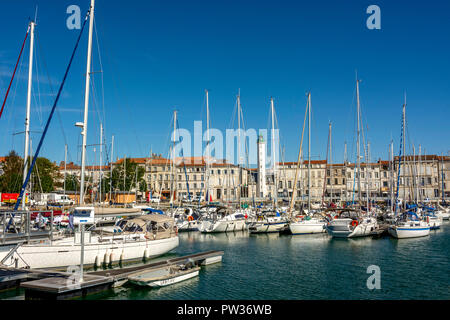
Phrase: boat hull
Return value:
(267, 227)
(408, 232)
(222, 226)
(66, 254)
(307, 228)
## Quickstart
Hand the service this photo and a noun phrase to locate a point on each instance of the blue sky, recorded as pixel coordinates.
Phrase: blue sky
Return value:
(158, 56)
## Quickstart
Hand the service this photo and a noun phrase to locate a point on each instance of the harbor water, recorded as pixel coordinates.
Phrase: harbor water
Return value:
(286, 267)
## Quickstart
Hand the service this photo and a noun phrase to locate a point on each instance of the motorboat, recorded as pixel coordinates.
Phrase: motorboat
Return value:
(351, 224)
(221, 220)
(164, 276)
(268, 222)
(186, 219)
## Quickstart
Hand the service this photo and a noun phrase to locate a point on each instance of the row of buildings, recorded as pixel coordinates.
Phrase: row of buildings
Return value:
(421, 178)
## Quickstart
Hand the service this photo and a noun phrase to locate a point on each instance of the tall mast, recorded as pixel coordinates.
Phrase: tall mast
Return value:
(404, 154)
(331, 167)
(172, 184)
(294, 190)
(309, 153)
(207, 147)
(100, 171)
(239, 146)
(367, 175)
(358, 159)
(65, 167)
(27, 118)
(391, 158)
(274, 164)
(111, 169)
(86, 101)
(419, 171)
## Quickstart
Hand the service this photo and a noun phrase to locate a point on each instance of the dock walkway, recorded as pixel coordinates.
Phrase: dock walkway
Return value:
(63, 285)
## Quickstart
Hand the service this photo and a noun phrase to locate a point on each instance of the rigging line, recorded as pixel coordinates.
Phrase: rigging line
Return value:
(39, 104)
(22, 190)
(38, 42)
(101, 70)
(14, 72)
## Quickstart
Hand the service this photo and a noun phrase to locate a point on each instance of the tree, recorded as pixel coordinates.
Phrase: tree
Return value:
(11, 180)
(43, 177)
(130, 178)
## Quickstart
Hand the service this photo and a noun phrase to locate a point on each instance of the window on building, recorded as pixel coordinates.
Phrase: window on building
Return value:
(328, 181)
(218, 171)
(289, 184)
(336, 181)
(195, 186)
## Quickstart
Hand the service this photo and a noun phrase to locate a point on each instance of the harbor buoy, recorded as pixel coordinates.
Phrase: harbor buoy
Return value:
(111, 258)
(146, 253)
(121, 257)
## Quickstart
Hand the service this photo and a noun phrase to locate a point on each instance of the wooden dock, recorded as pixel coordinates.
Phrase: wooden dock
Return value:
(63, 285)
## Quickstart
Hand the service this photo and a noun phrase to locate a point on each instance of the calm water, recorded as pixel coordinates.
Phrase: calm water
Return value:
(306, 267)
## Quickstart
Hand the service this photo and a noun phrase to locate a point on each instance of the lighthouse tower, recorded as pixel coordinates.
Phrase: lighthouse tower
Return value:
(261, 183)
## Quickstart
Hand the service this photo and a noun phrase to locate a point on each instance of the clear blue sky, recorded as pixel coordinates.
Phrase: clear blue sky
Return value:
(162, 55)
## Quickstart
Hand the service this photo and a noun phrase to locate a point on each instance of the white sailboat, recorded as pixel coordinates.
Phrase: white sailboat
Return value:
(354, 224)
(310, 223)
(408, 224)
(139, 239)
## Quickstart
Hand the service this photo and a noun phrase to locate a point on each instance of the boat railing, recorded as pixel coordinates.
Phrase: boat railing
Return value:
(16, 227)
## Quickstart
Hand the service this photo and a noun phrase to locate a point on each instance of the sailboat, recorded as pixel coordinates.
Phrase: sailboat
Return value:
(218, 219)
(142, 237)
(407, 224)
(270, 220)
(352, 224)
(312, 222)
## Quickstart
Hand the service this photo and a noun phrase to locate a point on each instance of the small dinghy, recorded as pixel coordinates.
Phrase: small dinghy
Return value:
(164, 276)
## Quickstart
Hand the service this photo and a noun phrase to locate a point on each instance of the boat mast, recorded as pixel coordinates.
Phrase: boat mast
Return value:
(404, 153)
(172, 178)
(100, 169)
(274, 164)
(111, 169)
(65, 167)
(309, 153)
(27, 117)
(358, 159)
(331, 166)
(86, 101)
(367, 175)
(294, 190)
(391, 158)
(207, 147)
(239, 146)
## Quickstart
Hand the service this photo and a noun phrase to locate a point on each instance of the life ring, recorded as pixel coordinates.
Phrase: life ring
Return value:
(190, 218)
(354, 223)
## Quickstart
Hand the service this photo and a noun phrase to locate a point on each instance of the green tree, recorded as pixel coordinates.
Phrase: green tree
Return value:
(43, 177)
(11, 180)
(130, 178)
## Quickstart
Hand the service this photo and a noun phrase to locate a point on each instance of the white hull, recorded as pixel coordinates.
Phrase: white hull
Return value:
(341, 228)
(222, 226)
(65, 253)
(307, 228)
(188, 226)
(408, 232)
(267, 227)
